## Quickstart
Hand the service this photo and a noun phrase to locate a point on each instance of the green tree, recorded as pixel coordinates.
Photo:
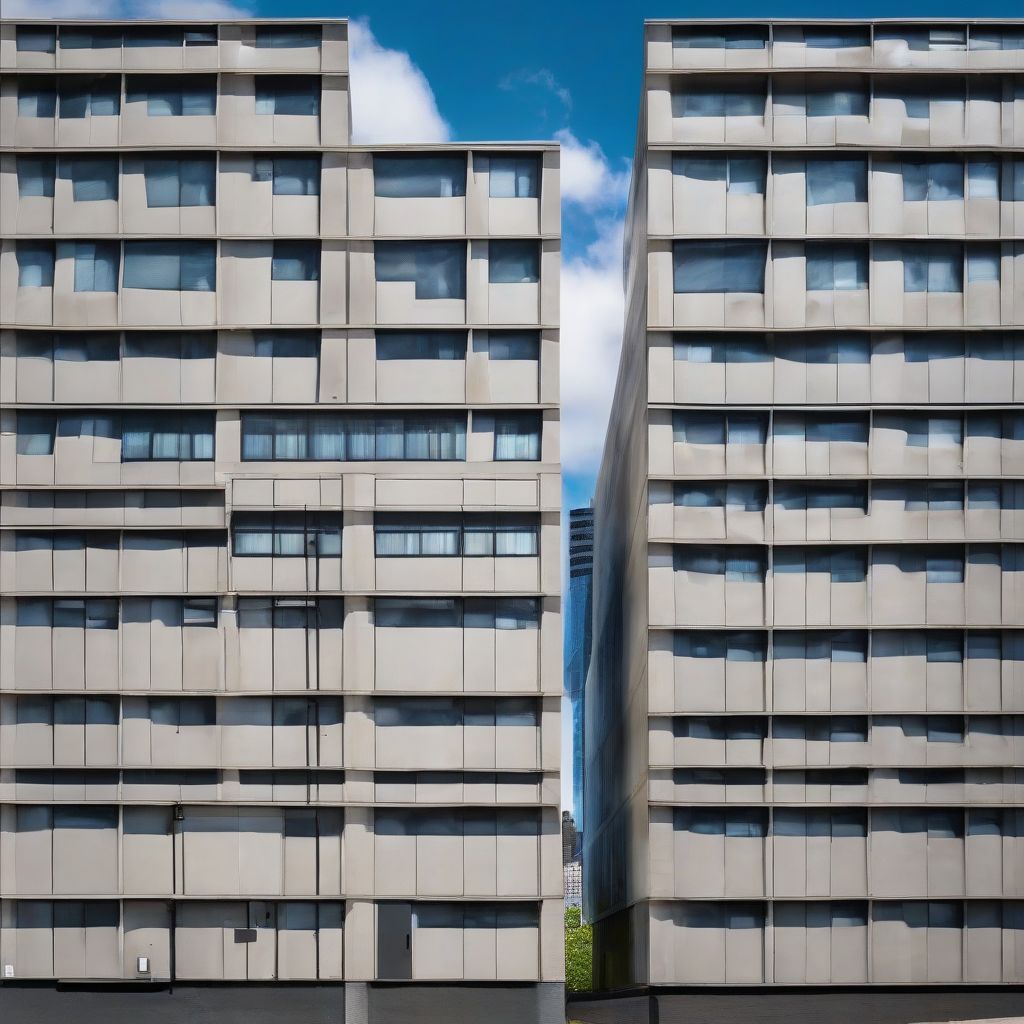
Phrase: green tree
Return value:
(579, 952)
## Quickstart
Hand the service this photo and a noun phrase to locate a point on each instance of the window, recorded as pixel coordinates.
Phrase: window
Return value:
(89, 95)
(933, 268)
(944, 648)
(174, 437)
(742, 175)
(35, 39)
(292, 37)
(174, 95)
(419, 175)
(183, 711)
(287, 344)
(836, 37)
(983, 179)
(201, 36)
(733, 348)
(922, 348)
(982, 264)
(171, 266)
(417, 612)
(93, 37)
(433, 345)
(795, 496)
(154, 35)
(731, 645)
(170, 344)
(419, 539)
(513, 177)
(739, 822)
(740, 98)
(922, 497)
(820, 822)
(988, 37)
(738, 564)
(836, 267)
(827, 427)
(289, 175)
(822, 96)
(35, 264)
(295, 261)
(945, 728)
(417, 711)
(173, 182)
(290, 613)
(36, 98)
(36, 176)
(848, 645)
(36, 432)
(925, 37)
(917, 97)
(508, 612)
(511, 536)
(92, 178)
(513, 345)
(834, 729)
(929, 431)
(834, 348)
(516, 437)
(718, 776)
(714, 727)
(839, 180)
(746, 496)
(513, 262)
(700, 427)
(985, 496)
(933, 180)
(710, 267)
(720, 37)
(288, 94)
(842, 565)
(96, 264)
(444, 536)
(438, 269)
(944, 566)
(286, 535)
(199, 611)
(353, 438)
(77, 425)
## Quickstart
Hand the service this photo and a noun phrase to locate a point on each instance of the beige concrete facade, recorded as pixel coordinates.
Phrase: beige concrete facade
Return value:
(805, 722)
(280, 625)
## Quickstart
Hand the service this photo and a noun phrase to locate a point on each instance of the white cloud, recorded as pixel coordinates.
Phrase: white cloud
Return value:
(391, 98)
(591, 336)
(586, 176)
(105, 9)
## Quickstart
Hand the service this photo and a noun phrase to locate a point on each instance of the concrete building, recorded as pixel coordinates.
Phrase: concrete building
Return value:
(573, 871)
(579, 615)
(805, 723)
(280, 628)
(572, 868)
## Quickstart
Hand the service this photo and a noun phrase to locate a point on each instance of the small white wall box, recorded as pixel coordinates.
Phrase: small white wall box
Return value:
(8, 970)
(142, 965)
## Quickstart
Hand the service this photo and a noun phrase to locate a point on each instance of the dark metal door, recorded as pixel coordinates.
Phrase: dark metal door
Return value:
(394, 941)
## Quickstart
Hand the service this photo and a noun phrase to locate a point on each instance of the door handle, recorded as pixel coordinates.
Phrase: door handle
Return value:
(407, 936)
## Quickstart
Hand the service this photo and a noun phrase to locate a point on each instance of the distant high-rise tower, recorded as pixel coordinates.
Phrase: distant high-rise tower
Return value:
(577, 640)
(806, 704)
(280, 674)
